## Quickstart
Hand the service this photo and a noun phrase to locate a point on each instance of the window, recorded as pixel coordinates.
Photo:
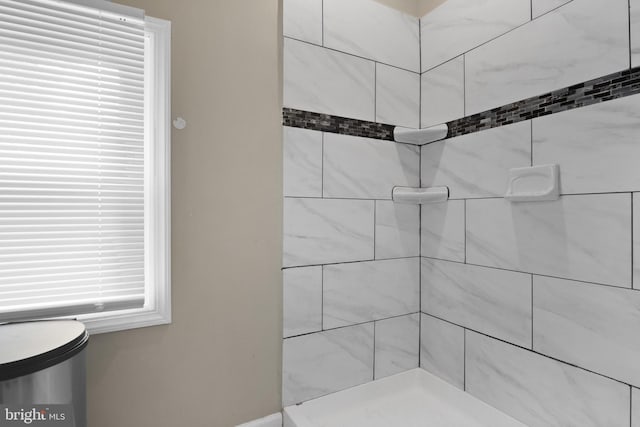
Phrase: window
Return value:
(84, 163)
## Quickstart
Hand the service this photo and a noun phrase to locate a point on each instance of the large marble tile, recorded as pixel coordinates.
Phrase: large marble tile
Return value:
(397, 345)
(442, 230)
(576, 42)
(635, 32)
(397, 230)
(442, 90)
(302, 20)
(364, 291)
(397, 96)
(592, 326)
(540, 7)
(320, 231)
(302, 162)
(356, 167)
(635, 406)
(491, 301)
(326, 81)
(322, 363)
(457, 26)
(596, 146)
(302, 300)
(369, 29)
(477, 164)
(539, 391)
(442, 349)
(636, 240)
(585, 237)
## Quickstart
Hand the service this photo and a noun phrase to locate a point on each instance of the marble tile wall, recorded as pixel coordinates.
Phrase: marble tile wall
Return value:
(351, 291)
(539, 391)
(491, 301)
(481, 292)
(576, 42)
(458, 26)
(442, 347)
(372, 30)
(357, 59)
(534, 307)
(442, 93)
(365, 291)
(397, 345)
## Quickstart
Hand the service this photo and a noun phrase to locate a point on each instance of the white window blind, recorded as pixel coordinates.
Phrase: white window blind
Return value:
(72, 159)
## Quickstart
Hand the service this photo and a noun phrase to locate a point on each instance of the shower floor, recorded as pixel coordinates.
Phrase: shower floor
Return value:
(411, 399)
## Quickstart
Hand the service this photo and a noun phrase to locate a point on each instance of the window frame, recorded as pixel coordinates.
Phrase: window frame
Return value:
(157, 307)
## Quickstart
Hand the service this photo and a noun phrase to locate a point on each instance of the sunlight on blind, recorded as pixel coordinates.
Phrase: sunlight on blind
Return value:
(71, 160)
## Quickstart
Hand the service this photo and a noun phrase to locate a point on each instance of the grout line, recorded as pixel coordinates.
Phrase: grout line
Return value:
(531, 142)
(561, 195)
(375, 92)
(322, 20)
(374, 351)
(530, 10)
(630, 406)
(464, 85)
(464, 359)
(351, 325)
(420, 241)
(465, 230)
(534, 274)
(420, 74)
(349, 54)
(322, 297)
(629, 16)
(632, 254)
(451, 199)
(375, 208)
(420, 337)
(350, 262)
(564, 362)
(532, 312)
(322, 167)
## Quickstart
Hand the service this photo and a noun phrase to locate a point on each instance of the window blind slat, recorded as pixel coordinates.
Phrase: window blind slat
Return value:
(72, 160)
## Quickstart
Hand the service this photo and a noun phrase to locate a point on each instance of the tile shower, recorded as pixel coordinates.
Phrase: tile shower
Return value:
(534, 307)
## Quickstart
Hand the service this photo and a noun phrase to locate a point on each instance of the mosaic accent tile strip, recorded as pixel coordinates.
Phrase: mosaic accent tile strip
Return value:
(605, 88)
(335, 124)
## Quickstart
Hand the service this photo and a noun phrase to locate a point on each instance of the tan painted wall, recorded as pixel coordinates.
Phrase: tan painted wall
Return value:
(426, 6)
(413, 7)
(218, 364)
(406, 6)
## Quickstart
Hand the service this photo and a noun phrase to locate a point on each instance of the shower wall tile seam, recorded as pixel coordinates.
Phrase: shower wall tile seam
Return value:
(351, 262)
(532, 274)
(471, 49)
(352, 54)
(350, 325)
(564, 362)
(461, 198)
(605, 88)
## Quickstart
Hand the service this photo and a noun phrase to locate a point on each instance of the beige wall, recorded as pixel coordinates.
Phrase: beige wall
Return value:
(426, 6)
(218, 364)
(414, 7)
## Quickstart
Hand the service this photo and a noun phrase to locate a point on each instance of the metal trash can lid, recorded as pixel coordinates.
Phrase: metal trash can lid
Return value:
(28, 347)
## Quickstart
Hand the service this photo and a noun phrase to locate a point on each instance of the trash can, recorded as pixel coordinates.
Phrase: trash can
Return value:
(43, 373)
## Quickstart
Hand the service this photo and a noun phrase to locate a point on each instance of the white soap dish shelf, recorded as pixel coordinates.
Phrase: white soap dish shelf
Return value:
(534, 183)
